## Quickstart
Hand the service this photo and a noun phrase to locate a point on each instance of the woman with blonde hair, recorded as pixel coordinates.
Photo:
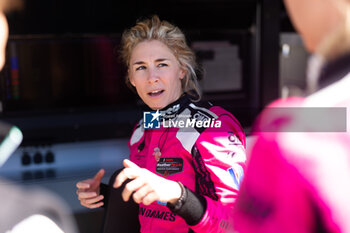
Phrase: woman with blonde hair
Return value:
(184, 172)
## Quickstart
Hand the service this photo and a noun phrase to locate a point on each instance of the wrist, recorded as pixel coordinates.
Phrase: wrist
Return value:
(176, 191)
(177, 203)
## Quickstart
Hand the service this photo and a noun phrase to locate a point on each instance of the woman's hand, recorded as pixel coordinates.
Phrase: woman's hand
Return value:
(146, 187)
(89, 191)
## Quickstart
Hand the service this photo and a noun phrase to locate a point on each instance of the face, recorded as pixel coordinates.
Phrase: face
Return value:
(155, 73)
(313, 19)
(3, 38)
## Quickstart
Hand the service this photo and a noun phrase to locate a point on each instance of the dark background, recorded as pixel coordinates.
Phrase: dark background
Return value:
(106, 16)
(254, 25)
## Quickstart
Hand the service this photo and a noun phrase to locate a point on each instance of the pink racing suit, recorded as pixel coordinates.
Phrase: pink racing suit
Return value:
(299, 180)
(210, 161)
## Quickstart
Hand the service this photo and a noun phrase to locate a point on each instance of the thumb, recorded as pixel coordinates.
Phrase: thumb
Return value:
(128, 164)
(99, 175)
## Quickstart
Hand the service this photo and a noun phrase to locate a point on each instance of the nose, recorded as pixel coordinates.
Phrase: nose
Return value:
(153, 76)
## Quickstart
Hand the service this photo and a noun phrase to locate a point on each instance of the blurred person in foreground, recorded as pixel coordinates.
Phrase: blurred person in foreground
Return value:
(298, 174)
(24, 209)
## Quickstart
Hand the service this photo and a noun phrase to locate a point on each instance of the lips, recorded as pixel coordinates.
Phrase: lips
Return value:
(155, 93)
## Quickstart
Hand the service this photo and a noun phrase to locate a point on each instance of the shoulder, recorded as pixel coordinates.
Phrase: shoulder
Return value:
(137, 133)
(202, 110)
(205, 111)
(221, 122)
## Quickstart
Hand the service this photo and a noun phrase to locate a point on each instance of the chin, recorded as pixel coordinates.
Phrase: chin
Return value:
(157, 107)
(154, 106)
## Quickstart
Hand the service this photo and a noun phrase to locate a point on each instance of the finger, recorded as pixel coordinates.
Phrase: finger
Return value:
(93, 200)
(92, 206)
(97, 205)
(82, 185)
(126, 173)
(121, 177)
(99, 175)
(140, 194)
(128, 164)
(84, 195)
(149, 198)
(135, 184)
(131, 187)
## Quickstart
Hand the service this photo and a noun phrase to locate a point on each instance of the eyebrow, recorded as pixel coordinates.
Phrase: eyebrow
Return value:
(157, 60)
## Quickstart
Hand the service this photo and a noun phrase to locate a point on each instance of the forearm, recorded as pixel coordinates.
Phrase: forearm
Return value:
(191, 206)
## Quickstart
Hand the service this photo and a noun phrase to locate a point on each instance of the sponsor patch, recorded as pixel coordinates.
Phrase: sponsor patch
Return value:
(234, 139)
(236, 172)
(169, 165)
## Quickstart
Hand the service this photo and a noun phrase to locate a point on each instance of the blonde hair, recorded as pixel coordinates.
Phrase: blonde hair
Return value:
(337, 43)
(155, 29)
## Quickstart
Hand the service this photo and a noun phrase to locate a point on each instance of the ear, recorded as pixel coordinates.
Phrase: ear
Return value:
(182, 74)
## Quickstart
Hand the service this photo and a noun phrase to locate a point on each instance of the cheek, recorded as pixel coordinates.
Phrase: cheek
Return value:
(131, 78)
(139, 86)
(140, 93)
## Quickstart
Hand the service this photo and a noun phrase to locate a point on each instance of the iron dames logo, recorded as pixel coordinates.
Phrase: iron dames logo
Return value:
(162, 215)
(151, 120)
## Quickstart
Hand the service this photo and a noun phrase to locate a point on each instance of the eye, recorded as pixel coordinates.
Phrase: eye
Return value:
(140, 68)
(162, 64)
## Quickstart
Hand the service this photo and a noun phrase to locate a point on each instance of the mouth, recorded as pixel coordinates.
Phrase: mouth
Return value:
(155, 93)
